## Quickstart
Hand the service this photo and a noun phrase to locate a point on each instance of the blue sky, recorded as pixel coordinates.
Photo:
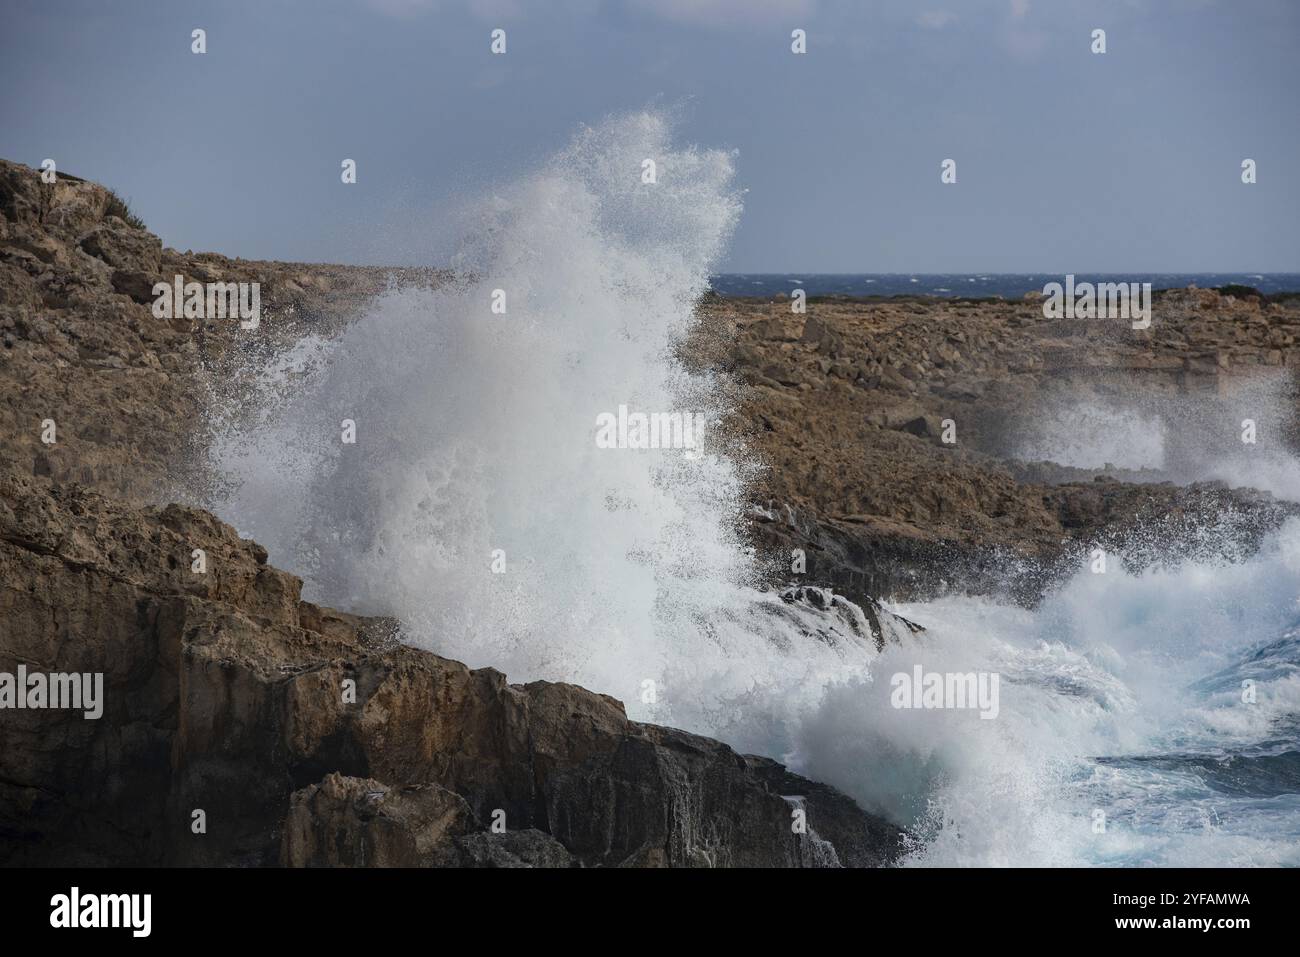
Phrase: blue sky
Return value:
(1067, 161)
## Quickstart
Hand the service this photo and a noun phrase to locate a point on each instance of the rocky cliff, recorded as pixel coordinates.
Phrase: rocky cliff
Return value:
(245, 726)
(304, 735)
(80, 347)
(242, 725)
(845, 403)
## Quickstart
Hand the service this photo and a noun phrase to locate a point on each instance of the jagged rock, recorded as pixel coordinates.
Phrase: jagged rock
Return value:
(890, 509)
(67, 207)
(527, 848)
(359, 822)
(82, 348)
(821, 337)
(225, 693)
(123, 247)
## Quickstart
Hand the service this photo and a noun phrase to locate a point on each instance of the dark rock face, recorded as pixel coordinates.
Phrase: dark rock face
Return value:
(861, 557)
(308, 737)
(359, 822)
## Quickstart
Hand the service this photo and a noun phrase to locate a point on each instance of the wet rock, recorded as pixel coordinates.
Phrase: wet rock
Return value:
(305, 737)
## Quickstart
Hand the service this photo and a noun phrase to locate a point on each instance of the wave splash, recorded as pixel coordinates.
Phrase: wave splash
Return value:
(1166, 702)
(476, 444)
(624, 571)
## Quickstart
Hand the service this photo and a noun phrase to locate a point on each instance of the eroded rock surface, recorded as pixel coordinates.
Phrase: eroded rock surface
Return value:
(309, 737)
(844, 407)
(80, 347)
(226, 694)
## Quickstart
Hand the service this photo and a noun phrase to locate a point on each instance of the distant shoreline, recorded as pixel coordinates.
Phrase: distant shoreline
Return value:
(983, 286)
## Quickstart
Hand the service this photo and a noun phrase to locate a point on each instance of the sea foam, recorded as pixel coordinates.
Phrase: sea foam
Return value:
(624, 570)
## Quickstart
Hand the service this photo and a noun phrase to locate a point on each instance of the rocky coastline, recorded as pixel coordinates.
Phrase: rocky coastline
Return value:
(223, 702)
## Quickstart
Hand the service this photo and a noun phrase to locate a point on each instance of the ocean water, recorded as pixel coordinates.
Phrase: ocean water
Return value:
(476, 507)
(1123, 695)
(976, 285)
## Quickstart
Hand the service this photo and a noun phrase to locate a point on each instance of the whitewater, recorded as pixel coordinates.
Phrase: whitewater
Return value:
(476, 507)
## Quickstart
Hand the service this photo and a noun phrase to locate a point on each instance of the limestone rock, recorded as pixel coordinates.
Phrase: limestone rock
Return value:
(359, 822)
(890, 510)
(225, 692)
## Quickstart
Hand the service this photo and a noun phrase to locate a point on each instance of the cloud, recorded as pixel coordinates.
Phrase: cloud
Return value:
(402, 9)
(727, 13)
(706, 13)
(936, 19)
(1025, 44)
(496, 9)
(1020, 39)
(481, 9)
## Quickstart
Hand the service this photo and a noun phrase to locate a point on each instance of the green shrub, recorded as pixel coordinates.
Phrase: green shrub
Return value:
(117, 207)
(1239, 291)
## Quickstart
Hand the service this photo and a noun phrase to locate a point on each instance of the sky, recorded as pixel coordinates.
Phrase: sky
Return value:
(1067, 160)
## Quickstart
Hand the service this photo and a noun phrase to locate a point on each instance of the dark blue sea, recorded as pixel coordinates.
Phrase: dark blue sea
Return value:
(1006, 285)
